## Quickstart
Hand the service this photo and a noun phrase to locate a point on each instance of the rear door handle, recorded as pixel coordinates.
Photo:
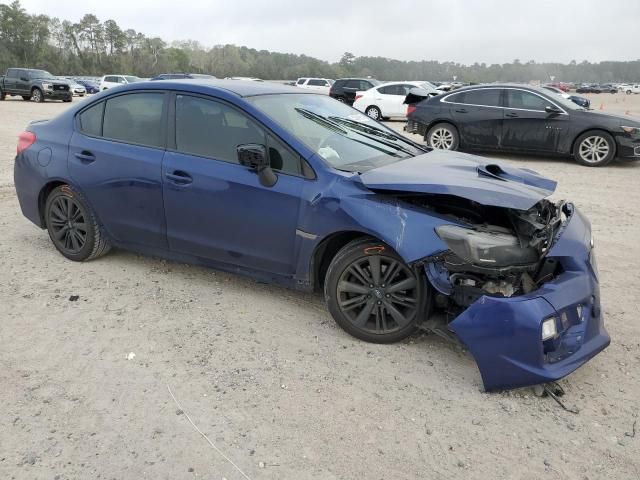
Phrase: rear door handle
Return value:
(511, 114)
(179, 177)
(461, 110)
(85, 157)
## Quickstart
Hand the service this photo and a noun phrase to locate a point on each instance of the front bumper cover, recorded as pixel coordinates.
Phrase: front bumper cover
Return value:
(504, 334)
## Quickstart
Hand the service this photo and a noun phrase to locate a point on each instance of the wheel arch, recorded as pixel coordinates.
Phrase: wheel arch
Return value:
(326, 250)
(596, 129)
(432, 124)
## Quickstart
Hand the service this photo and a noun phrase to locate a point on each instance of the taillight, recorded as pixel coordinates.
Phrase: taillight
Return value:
(410, 109)
(358, 96)
(25, 140)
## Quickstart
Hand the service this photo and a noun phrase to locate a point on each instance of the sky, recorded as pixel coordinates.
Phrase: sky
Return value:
(462, 31)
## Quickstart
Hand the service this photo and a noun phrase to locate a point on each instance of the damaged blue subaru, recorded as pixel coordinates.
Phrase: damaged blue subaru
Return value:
(298, 189)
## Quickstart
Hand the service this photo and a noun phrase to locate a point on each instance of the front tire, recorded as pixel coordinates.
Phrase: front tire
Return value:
(37, 95)
(443, 136)
(373, 112)
(373, 294)
(73, 227)
(594, 148)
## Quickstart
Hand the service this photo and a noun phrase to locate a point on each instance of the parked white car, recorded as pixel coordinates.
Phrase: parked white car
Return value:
(629, 89)
(109, 81)
(387, 100)
(322, 85)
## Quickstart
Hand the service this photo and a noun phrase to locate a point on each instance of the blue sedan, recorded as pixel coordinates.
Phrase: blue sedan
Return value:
(298, 189)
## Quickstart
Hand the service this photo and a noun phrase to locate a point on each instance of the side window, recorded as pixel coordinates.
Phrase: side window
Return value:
(211, 129)
(489, 97)
(526, 100)
(353, 84)
(12, 73)
(108, 79)
(281, 158)
(135, 118)
(301, 81)
(386, 90)
(364, 85)
(91, 120)
(22, 74)
(121, 80)
(317, 83)
(457, 97)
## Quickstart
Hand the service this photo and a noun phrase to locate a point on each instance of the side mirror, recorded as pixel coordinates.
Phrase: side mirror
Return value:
(550, 109)
(254, 155)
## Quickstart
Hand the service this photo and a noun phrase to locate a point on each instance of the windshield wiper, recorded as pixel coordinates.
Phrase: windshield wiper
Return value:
(325, 122)
(373, 130)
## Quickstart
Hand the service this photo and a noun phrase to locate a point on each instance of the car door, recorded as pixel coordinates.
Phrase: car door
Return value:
(478, 116)
(23, 82)
(383, 97)
(115, 157)
(527, 125)
(217, 208)
(10, 80)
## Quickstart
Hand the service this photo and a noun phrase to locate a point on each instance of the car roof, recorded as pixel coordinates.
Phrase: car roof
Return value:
(499, 85)
(242, 88)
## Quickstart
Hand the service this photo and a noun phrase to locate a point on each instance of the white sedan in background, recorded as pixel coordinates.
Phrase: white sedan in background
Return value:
(387, 100)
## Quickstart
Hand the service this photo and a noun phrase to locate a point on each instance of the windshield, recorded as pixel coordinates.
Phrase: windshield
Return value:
(41, 74)
(341, 135)
(132, 79)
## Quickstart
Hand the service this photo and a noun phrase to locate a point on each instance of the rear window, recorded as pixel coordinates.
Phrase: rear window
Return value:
(301, 81)
(489, 97)
(135, 118)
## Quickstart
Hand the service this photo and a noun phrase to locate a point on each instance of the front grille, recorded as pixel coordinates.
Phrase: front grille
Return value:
(61, 88)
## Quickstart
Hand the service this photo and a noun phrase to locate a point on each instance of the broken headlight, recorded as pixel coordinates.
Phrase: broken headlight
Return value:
(489, 247)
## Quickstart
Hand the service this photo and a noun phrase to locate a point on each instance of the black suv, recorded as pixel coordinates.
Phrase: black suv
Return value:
(344, 89)
(36, 85)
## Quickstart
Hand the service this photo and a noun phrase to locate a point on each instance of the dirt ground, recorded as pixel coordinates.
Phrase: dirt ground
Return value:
(272, 381)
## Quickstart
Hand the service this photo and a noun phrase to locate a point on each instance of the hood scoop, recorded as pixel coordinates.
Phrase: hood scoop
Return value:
(492, 170)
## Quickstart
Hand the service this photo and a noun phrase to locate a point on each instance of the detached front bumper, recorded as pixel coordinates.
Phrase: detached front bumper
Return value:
(505, 334)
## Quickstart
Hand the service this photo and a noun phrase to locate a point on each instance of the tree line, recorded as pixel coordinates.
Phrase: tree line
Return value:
(93, 47)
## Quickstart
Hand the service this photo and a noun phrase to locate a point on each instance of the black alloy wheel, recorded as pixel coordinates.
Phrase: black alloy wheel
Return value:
(72, 226)
(373, 294)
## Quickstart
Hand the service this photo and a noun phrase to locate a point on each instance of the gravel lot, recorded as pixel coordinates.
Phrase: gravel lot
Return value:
(272, 381)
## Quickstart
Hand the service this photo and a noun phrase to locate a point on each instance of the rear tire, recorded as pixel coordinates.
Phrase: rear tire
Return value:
(443, 136)
(373, 112)
(73, 227)
(373, 294)
(594, 148)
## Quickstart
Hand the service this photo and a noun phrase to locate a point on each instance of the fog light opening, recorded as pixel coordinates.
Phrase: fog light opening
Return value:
(549, 329)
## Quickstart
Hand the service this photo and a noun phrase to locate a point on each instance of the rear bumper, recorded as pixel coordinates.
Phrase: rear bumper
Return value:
(504, 334)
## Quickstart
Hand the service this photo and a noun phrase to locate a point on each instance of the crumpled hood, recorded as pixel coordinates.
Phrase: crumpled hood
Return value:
(467, 176)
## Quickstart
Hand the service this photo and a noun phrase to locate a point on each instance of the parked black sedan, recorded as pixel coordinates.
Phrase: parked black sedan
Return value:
(523, 119)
